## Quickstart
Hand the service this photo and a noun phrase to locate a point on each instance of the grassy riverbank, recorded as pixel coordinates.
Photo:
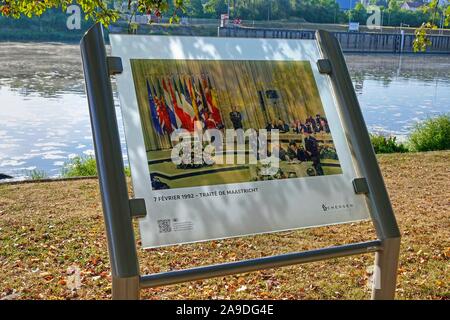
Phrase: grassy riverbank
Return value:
(50, 230)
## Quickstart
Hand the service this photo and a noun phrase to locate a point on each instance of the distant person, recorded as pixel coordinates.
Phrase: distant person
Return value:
(295, 152)
(319, 123)
(236, 118)
(282, 126)
(271, 126)
(313, 152)
(326, 126)
(322, 124)
(299, 127)
(295, 125)
(311, 120)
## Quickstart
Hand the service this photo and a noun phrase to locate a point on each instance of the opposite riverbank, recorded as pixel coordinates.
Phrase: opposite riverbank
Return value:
(51, 230)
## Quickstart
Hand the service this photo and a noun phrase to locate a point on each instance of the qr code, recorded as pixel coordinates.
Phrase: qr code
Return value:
(164, 226)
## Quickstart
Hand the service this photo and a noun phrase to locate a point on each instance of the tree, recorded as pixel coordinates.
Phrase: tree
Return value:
(321, 11)
(358, 14)
(195, 8)
(216, 7)
(436, 13)
(96, 10)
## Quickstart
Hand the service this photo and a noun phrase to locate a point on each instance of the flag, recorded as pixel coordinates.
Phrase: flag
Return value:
(186, 100)
(186, 121)
(211, 100)
(163, 98)
(153, 111)
(193, 97)
(163, 115)
(201, 102)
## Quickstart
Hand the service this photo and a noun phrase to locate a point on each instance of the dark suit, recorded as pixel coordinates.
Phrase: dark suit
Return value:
(298, 154)
(312, 146)
(236, 119)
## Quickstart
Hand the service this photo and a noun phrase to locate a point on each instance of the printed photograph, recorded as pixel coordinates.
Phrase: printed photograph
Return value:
(239, 95)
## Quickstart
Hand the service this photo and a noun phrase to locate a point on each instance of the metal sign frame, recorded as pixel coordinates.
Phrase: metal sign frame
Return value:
(119, 210)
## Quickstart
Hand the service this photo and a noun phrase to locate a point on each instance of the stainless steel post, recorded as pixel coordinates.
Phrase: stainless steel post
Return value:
(355, 128)
(113, 187)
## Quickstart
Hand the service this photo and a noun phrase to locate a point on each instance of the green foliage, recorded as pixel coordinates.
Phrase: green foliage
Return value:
(127, 171)
(84, 167)
(433, 13)
(382, 144)
(50, 26)
(326, 11)
(80, 167)
(95, 10)
(421, 41)
(37, 174)
(358, 14)
(320, 11)
(431, 135)
(316, 11)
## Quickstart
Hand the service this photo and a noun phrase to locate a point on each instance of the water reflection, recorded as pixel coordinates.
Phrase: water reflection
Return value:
(46, 70)
(397, 91)
(44, 119)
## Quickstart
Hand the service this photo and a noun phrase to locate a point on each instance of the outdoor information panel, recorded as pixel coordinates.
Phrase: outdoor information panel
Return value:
(229, 137)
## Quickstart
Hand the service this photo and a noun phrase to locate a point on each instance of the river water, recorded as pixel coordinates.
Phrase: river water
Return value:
(44, 119)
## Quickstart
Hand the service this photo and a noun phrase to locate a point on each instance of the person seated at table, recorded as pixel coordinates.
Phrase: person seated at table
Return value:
(271, 126)
(294, 152)
(282, 126)
(311, 121)
(319, 122)
(299, 127)
(326, 126)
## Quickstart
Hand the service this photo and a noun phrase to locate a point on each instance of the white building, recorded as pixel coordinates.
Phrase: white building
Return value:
(411, 6)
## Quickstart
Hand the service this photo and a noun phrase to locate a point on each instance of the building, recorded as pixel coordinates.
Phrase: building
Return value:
(415, 5)
(411, 6)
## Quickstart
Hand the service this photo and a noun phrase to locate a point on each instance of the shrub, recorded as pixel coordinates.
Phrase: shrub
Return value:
(84, 167)
(382, 144)
(80, 167)
(37, 174)
(431, 135)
